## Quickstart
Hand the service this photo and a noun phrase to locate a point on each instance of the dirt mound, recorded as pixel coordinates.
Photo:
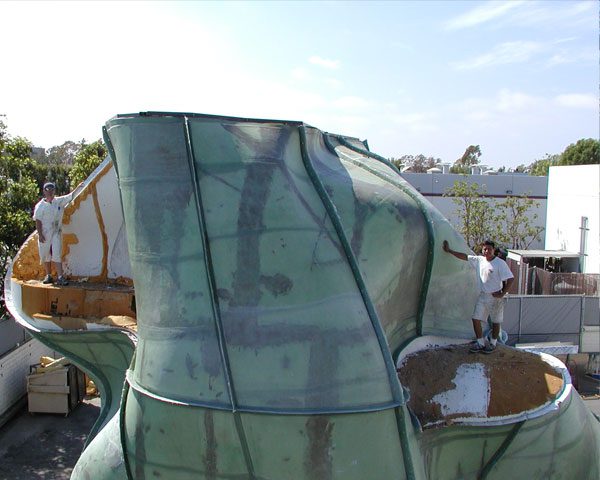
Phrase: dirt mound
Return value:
(450, 382)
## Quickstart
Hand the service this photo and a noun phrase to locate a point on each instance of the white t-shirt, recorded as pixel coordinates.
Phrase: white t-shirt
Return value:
(50, 214)
(490, 274)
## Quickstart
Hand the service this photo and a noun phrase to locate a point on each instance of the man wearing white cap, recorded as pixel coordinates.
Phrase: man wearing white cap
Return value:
(48, 215)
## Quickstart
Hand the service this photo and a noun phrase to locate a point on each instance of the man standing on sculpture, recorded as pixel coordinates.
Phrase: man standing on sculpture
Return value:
(48, 215)
(495, 279)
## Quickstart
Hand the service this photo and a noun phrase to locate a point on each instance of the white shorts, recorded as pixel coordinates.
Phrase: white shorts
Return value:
(488, 305)
(51, 249)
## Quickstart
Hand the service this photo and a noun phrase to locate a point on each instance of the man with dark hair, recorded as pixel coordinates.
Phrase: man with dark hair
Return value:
(495, 279)
(48, 215)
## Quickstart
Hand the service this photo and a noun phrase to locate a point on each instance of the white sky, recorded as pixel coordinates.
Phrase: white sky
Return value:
(518, 78)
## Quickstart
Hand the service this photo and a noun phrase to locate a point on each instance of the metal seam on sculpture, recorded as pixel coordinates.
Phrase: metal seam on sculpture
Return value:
(293, 123)
(111, 151)
(328, 143)
(391, 182)
(123, 404)
(428, 221)
(335, 220)
(372, 171)
(501, 450)
(399, 414)
(172, 401)
(378, 174)
(404, 443)
(254, 410)
(208, 261)
(113, 157)
(122, 438)
(214, 299)
(403, 345)
(239, 426)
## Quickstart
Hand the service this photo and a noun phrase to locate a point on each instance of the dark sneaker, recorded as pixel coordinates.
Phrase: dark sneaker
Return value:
(475, 347)
(489, 348)
(61, 281)
(47, 279)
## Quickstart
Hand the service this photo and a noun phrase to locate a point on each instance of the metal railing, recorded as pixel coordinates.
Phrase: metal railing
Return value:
(537, 281)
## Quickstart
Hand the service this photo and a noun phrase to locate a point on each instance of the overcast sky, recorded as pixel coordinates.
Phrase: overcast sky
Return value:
(518, 78)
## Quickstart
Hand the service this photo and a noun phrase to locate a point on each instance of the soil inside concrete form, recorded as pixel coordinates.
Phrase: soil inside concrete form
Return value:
(448, 383)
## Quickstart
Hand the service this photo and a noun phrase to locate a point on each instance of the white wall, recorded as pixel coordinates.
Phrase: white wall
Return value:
(14, 368)
(573, 192)
(85, 257)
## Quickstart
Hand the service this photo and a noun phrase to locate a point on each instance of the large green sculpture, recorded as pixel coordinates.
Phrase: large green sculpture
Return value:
(279, 274)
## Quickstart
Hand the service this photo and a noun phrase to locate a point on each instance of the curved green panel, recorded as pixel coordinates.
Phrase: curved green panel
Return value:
(174, 301)
(445, 289)
(307, 447)
(103, 458)
(276, 292)
(387, 230)
(325, 446)
(565, 444)
(180, 442)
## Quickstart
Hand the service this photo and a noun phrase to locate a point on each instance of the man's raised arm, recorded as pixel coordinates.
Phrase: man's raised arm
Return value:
(459, 255)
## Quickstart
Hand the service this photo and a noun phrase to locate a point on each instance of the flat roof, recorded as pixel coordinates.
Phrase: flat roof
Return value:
(516, 254)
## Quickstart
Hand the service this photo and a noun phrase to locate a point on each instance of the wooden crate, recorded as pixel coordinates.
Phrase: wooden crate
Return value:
(58, 391)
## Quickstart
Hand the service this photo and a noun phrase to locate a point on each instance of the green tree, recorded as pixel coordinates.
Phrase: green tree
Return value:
(509, 222)
(477, 218)
(515, 227)
(469, 158)
(542, 166)
(417, 163)
(585, 152)
(86, 160)
(18, 195)
(18, 163)
(521, 168)
(59, 174)
(63, 154)
(3, 132)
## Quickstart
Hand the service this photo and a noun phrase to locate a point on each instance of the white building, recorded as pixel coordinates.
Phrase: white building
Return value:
(573, 214)
(497, 187)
